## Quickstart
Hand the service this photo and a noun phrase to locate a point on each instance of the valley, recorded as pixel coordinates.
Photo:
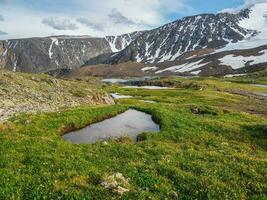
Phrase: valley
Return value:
(133, 100)
(211, 144)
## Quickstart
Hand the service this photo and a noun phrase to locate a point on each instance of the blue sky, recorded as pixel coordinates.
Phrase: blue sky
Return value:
(207, 6)
(34, 18)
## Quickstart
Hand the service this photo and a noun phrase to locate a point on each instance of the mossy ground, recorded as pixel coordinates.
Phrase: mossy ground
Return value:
(218, 153)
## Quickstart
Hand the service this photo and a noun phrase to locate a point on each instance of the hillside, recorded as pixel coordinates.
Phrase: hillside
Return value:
(23, 93)
(203, 45)
(40, 55)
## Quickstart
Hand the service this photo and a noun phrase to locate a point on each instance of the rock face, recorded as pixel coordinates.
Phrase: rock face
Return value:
(170, 41)
(118, 43)
(40, 55)
(44, 54)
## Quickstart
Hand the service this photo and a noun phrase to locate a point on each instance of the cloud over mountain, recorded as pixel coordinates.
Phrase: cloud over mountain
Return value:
(118, 18)
(2, 18)
(60, 23)
(2, 33)
(90, 24)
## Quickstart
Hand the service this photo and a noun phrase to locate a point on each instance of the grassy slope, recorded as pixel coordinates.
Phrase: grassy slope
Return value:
(254, 78)
(21, 92)
(220, 154)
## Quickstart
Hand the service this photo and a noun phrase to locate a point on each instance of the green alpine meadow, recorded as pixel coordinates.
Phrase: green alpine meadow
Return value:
(211, 145)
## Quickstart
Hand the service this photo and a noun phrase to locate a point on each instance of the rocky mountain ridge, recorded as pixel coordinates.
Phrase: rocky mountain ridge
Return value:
(170, 41)
(205, 44)
(40, 55)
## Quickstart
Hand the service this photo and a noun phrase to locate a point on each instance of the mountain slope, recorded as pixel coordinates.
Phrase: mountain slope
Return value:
(58, 52)
(205, 44)
(118, 43)
(170, 41)
(203, 62)
(43, 54)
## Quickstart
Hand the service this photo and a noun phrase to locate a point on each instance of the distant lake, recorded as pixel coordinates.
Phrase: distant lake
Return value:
(260, 85)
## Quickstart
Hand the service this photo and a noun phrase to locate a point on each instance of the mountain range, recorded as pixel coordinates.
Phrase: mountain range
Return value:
(204, 45)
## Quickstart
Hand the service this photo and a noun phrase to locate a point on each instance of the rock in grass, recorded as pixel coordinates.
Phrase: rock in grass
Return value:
(121, 190)
(117, 183)
(203, 111)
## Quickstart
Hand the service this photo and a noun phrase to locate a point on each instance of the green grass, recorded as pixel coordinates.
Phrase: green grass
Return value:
(254, 78)
(218, 153)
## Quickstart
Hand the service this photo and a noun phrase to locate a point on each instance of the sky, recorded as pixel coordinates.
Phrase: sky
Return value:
(98, 18)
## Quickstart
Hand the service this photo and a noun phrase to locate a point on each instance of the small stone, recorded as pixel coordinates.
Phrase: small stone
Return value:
(121, 190)
(175, 194)
(195, 110)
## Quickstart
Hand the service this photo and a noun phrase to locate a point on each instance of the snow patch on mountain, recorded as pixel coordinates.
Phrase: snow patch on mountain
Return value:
(54, 41)
(149, 68)
(186, 67)
(257, 20)
(118, 43)
(237, 62)
(112, 44)
(196, 72)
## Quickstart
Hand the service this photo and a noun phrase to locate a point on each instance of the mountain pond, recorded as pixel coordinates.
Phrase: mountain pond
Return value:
(130, 123)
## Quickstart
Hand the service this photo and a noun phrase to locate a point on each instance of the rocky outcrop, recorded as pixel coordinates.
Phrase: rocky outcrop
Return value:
(23, 93)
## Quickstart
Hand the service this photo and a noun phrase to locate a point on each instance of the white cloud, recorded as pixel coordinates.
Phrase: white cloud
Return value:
(2, 33)
(59, 23)
(246, 4)
(91, 24)
(90, 17)
(2, 18)
(118, 18)
(251, 2)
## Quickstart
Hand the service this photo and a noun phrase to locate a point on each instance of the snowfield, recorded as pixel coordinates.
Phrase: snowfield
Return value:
(187, 67)
(257, 21)
(149, 68)
(237, 62)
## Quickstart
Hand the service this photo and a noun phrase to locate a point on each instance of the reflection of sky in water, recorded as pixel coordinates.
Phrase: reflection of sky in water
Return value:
(130, 123)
